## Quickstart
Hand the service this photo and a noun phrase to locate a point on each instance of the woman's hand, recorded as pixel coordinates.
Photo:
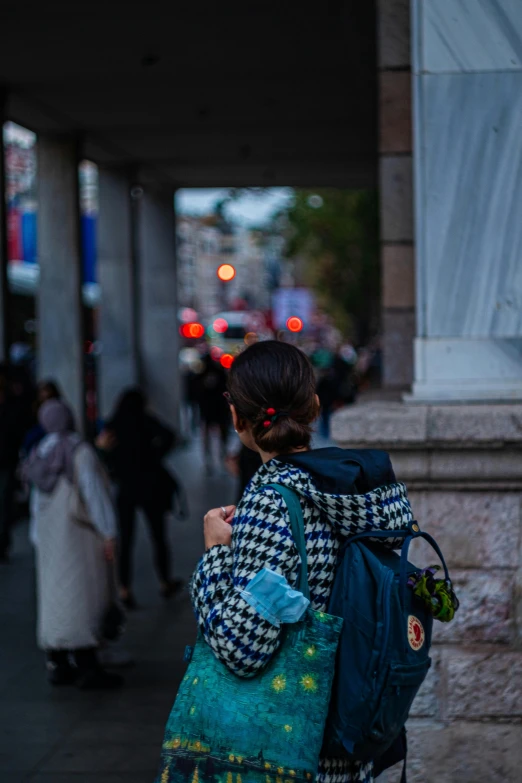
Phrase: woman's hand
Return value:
(218, 526)
(109, 549)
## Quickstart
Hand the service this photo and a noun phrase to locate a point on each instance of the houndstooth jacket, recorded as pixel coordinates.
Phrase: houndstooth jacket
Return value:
(261, 538)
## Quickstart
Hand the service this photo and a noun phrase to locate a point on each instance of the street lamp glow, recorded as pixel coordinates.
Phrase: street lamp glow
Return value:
(226, 272)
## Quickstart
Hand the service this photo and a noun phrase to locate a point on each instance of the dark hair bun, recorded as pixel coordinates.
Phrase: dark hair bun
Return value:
(275, 375)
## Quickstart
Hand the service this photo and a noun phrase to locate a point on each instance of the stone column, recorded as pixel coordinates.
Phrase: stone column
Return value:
(158, 327)
(60, 319)
(468, 164)
(117, 278)
(395, 150)
(4, 289)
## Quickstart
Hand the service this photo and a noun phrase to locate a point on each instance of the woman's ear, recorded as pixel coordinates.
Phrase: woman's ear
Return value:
(244, 430)
(239, 425)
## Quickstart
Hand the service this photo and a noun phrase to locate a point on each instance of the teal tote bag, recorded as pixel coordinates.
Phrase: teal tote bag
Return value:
(268, 729)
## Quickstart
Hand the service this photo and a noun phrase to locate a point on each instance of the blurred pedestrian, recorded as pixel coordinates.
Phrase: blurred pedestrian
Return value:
(21, 387)
(135, 444)
(243, 466)
(190, 399)
(335, 381)
(368, 366)
(75, 548)
(212, 384)
(45, 390)
(14, 420)
(344, 368)
(323, 362)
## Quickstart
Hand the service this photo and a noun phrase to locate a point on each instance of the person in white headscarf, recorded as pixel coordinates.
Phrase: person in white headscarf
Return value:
(75, 531)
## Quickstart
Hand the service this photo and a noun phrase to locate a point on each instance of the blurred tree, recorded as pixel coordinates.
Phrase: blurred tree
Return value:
(334, 234)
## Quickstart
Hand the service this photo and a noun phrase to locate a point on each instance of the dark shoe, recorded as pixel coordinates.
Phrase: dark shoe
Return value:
(99, 679)
(173, 587)
(58, 674)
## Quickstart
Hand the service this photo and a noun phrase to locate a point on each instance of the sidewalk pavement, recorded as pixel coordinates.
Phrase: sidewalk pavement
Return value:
(63, 735)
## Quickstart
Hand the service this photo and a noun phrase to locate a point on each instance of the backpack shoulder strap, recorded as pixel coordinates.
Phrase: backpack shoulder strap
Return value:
(413, 531)
(295, 511)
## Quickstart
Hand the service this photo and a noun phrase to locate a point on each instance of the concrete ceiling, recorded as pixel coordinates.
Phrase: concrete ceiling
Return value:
(201, 93)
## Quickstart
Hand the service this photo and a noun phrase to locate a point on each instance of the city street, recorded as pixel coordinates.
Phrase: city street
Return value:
(63, 735)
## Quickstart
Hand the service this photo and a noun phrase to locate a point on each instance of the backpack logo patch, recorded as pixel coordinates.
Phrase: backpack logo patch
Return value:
(416, 635)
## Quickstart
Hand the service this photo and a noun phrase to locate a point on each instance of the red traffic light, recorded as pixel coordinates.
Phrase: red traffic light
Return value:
(193, 331)
(220, 325)
(227, 360)
(226, 272)
(294, 324)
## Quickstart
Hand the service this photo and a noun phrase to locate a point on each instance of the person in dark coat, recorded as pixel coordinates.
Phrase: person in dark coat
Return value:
(214, 413)
(243, 466)
(191, 390)
(135, 444)
(15, 412)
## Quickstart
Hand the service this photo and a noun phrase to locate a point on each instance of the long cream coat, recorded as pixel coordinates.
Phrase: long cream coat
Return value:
(73, 577)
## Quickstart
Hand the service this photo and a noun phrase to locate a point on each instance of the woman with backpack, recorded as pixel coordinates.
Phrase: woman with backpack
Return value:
(274, 405)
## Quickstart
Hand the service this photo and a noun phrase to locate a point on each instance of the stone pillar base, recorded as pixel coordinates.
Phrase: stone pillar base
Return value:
(463, 468)
(467, 370)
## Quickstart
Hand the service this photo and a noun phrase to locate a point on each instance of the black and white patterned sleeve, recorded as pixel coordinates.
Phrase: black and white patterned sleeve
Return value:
(239, 636)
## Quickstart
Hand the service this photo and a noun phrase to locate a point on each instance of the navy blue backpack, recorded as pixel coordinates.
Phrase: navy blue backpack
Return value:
(383, 654)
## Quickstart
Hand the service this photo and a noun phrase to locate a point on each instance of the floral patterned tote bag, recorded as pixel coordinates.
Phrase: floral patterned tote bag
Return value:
(268, 729)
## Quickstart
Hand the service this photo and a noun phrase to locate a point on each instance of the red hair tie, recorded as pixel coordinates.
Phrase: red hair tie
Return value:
(274, 415)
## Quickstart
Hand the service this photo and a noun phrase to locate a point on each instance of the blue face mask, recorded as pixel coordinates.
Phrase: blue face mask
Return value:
(273, 598)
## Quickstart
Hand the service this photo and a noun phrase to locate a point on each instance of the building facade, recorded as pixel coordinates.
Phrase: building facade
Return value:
(204, 243)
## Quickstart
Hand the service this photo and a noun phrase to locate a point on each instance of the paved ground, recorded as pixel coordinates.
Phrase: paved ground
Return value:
(64, 736)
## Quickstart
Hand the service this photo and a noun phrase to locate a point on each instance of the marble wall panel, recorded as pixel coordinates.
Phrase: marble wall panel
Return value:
(471, 159)
(469, 35)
